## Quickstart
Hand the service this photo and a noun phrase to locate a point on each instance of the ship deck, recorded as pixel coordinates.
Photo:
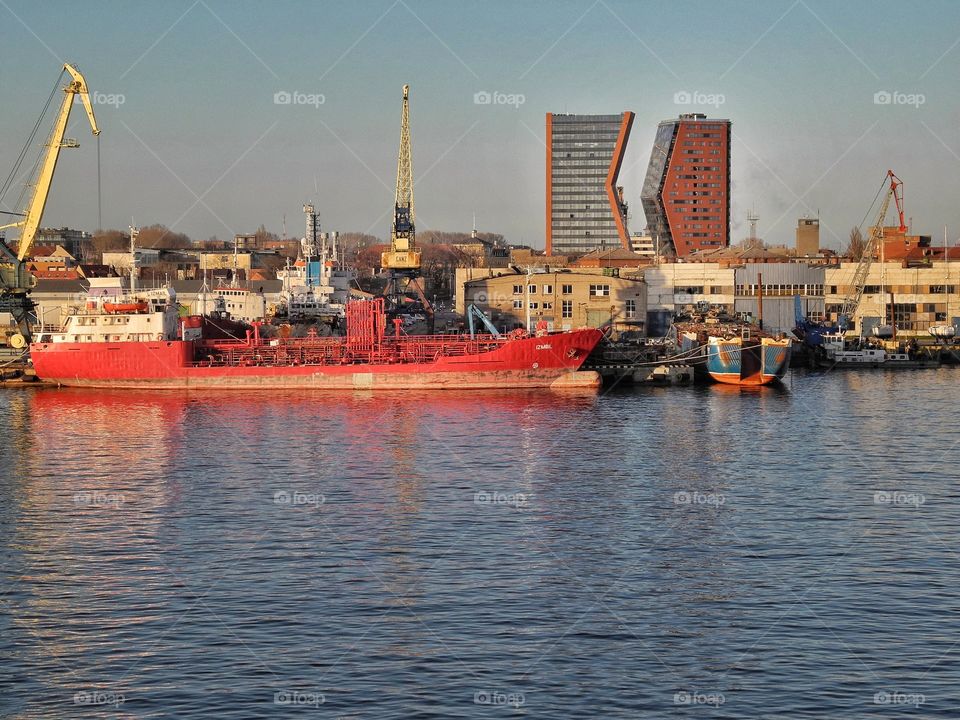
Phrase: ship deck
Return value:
(407, 349)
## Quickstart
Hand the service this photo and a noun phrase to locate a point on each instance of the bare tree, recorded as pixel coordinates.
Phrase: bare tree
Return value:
(857, 244)
(161, 237)
(108, 241)
(263, 236)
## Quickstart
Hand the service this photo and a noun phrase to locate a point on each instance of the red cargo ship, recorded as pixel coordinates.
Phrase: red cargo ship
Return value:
(158, 349)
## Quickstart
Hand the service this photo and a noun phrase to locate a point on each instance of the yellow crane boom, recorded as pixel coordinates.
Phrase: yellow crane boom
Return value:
(15, 281)
(41, 189)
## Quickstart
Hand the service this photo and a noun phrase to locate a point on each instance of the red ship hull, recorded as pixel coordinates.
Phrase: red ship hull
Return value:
(433, 362)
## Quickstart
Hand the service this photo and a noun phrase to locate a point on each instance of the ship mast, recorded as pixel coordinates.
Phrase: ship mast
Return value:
(946, 264)
(311, 240)
(134, 231)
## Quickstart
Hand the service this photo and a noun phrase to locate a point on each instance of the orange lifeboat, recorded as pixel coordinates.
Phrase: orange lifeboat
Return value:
(126, 307)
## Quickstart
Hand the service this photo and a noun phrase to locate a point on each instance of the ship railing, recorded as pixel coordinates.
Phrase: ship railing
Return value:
(334, 350)
(280, 355)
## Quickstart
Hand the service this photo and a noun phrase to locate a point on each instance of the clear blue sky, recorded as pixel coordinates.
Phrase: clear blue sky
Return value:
(199, 119)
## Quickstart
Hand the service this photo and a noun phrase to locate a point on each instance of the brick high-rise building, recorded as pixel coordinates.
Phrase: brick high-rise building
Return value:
(686, 192)
(585, 207)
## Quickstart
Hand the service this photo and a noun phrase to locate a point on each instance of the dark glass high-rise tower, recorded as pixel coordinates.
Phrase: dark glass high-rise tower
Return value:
(585, 207)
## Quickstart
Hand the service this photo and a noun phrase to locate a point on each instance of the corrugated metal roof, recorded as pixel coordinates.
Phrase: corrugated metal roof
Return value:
(60, 286)
(778, 273)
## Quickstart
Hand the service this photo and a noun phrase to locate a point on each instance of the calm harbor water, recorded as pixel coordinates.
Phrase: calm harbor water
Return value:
(684, 552)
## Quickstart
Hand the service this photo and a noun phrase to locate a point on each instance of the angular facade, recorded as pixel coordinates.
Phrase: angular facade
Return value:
(686, 191)
(585, 208)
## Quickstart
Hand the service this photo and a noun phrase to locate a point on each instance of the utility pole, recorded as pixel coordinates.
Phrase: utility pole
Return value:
(527, 295)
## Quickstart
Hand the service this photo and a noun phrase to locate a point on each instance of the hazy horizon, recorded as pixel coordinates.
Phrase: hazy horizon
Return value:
(197, 133)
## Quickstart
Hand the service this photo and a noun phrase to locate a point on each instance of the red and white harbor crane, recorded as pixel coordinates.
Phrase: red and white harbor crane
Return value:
(852, 299)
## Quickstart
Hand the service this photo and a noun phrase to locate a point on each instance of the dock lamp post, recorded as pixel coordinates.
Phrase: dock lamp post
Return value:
(527, 295)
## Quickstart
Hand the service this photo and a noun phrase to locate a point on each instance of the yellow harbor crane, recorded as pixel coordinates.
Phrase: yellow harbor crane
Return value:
(403, 255)
(15, 282)
(402, 260)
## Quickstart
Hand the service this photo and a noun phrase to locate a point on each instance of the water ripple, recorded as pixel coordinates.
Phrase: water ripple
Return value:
(695, 552)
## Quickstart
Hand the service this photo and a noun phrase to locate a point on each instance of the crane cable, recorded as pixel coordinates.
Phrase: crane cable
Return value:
(870, 210)
(99, 201)
(23, 151)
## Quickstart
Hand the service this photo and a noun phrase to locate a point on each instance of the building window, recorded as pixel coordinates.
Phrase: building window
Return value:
(548, 289)
(566, 289)
(548, 306)
(518, 304)
(518, 289)
(630, 309)
(566, 308)
(534, 305)
(599, 291)
(533, 289)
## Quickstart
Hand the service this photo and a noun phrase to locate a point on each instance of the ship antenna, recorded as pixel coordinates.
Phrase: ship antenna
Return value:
(133, 259)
